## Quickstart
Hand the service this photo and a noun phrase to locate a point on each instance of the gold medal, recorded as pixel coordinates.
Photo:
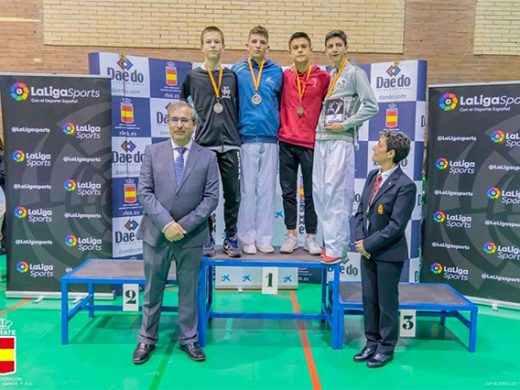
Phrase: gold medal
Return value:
(256, 99)
(300, 111)
(218, 107)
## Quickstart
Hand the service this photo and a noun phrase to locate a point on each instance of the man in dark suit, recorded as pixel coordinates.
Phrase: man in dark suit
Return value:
(385, 208)
(178, 189)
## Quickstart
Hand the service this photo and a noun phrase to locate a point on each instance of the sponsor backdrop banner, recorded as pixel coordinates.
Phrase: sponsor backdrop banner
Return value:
(473, 209)
(142, 87)
(57, 135)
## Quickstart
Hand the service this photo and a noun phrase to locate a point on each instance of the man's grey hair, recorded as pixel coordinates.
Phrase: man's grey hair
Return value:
(398, 142)
(173, 105)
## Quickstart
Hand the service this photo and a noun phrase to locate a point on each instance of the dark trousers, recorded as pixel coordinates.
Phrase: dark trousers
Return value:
(229, 167)
(380, 286)
(292, 156)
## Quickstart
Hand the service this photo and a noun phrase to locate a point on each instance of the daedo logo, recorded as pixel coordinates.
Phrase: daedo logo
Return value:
(396, 78)
(19, 91)
(127, 156)
(124, 73)
(448, 101)
(129, 236)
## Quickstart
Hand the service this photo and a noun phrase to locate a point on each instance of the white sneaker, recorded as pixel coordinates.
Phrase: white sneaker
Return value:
(265, 248)
(311, 245)
(290, 244)
(249, 249)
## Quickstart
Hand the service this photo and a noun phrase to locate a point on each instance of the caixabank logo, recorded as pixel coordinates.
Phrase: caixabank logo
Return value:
(503, 252)
(81, 132)
(7, 349)
(448, 101)
(510, 140)
(83, 244)
(452, 220)
(82, 188)
(506, 197)
(33, 215)
(455, 167)
(450, 272)
(37, 159)
(19, 91)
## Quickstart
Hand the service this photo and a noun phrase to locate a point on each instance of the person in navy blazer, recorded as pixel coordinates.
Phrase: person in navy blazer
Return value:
(178, 189)
(380, 221)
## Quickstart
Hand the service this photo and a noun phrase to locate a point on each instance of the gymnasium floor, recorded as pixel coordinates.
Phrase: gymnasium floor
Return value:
(253, 354)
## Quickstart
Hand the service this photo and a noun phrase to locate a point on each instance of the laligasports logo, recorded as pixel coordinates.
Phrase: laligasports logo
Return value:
(38, 215)
(71, 240)
(83, 243)
(442, 163)
(82, 188)
(493, 193)
(68, 128)
(436, 268)
(452, 220)
(37, 159)
(35, 270)
(497, 136)
(81, 131)
(508, 252)
(7, 349)
(490, 247)
(20, 212)
(19, 91)
(511, 140)
(511, 197)
(439, 216)
(448, 101)
(456, 167)
(450, 273)
(22, 266)
(18, 156)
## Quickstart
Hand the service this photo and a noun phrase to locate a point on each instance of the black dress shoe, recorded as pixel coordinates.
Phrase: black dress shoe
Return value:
(365, 354)
(194, 351)
(379, 360)
(143, 352)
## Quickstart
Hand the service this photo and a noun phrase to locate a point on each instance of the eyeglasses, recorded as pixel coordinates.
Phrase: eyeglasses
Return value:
(184, 121)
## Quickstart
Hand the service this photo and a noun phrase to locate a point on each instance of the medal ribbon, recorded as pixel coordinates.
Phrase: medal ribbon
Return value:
(333, 82)
(213, 83)
(301, 90)
(256, 80)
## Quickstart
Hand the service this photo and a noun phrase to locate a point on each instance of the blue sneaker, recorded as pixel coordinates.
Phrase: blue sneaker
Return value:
(231, 247)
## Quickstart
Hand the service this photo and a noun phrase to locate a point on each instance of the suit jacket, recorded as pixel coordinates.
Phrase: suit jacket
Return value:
(190, 204)
(387, 217)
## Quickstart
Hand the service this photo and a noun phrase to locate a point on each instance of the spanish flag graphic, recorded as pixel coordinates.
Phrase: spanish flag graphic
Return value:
(171, 75)
(7, 355)
(130, 193)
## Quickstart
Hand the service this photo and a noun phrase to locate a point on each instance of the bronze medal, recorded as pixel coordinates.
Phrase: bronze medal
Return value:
(256, 99)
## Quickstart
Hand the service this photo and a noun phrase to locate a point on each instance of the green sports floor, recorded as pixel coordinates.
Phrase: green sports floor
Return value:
(253, 354)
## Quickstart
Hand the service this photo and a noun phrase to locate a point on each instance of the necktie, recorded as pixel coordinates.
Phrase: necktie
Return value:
(375, 187)
(179, 165)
